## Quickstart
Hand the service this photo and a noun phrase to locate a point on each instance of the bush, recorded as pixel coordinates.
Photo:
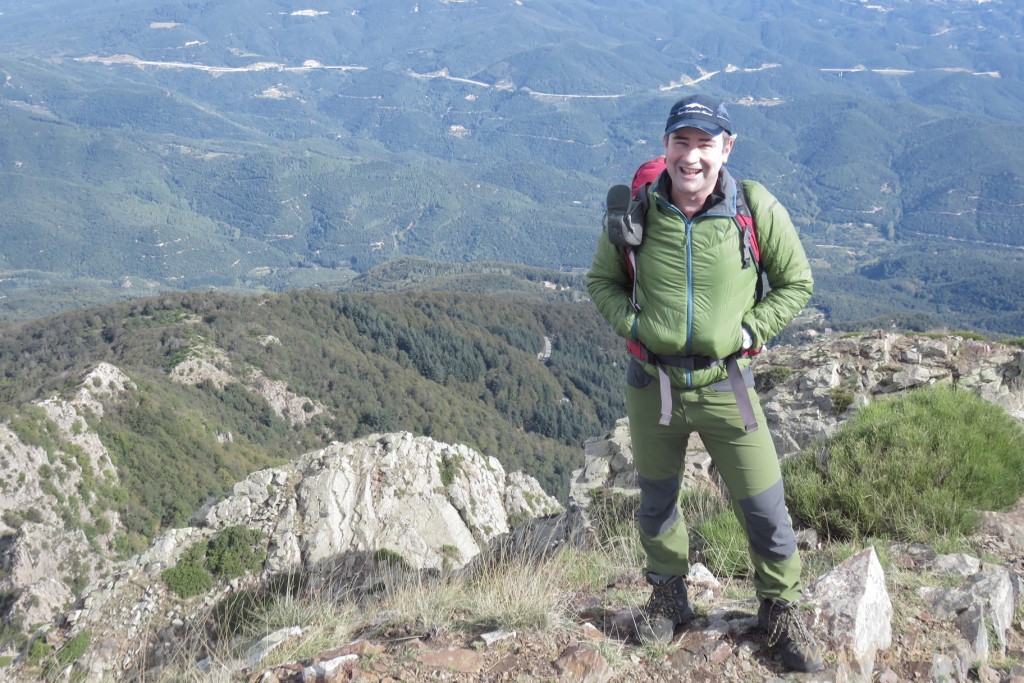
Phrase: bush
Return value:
(188, 579)
(233, 552)
(38, 650)
(911, 468)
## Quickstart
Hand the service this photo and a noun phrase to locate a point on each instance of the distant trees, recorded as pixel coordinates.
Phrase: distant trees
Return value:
(461, 368)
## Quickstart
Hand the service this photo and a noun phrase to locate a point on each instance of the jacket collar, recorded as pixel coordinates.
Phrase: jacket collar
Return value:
(721, 202)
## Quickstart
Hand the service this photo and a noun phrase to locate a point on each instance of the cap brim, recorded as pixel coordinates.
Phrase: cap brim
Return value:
(706, 126)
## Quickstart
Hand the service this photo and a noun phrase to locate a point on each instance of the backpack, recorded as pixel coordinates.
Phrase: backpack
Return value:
(624, 222)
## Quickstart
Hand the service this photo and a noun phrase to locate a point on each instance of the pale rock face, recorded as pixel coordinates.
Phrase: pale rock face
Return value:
(207, 363)
(291, 407)
(105, 380)
(74, 429)
(28, 557)
(524, 498)
(432, 504)
(195, 370)
(39, 601)
(19, 490)
(41, 557)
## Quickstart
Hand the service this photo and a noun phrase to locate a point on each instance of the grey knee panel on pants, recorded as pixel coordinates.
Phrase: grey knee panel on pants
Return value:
(768, 526)
(658, 510)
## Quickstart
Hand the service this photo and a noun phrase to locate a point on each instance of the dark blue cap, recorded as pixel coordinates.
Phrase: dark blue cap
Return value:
(699, 111)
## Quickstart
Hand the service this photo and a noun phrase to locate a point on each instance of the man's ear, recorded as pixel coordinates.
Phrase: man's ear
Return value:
(727, 143)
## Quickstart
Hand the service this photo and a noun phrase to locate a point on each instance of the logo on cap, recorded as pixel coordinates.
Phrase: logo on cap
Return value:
(698, 111)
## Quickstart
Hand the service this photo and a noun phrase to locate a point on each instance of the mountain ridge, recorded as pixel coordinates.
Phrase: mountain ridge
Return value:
(458, 143)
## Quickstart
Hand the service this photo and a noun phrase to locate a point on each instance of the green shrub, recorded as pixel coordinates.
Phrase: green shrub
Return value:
(188, 579)
(234, 552)
(38, 650)
(13, 518)
(912, 468)
(102, 524)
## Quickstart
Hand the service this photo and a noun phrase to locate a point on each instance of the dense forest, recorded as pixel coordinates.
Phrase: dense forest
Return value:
(152, 146)
(462, 368)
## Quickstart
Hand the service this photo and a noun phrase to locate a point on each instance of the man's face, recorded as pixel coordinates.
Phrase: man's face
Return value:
(693, 159)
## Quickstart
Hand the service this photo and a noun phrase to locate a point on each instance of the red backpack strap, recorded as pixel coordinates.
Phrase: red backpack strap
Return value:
(748, 231)
(644, 177)
(750, 250)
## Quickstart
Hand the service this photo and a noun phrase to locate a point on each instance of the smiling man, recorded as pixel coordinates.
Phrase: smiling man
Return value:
(697, 144)
(687, 300)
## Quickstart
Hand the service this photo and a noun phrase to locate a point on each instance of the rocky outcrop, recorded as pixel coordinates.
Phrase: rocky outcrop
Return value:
(206, 363)
(808, 391)
(420, 503)
(51, 467)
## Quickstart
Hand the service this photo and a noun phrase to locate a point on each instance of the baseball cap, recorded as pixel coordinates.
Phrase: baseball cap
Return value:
(699, 111)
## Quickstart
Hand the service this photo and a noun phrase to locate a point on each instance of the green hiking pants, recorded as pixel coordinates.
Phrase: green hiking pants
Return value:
(747, 462)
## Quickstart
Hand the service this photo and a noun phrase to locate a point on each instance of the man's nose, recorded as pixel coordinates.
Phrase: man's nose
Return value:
(691, 154)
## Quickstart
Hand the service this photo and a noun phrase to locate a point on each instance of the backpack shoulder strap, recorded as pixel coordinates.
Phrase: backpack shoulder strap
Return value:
(748, 231)
(751, 250)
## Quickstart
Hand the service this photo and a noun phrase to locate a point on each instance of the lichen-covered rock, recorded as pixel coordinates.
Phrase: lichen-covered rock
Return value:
(411, 500)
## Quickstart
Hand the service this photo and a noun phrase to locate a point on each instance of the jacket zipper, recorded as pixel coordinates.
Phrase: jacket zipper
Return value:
(689, 284)
(689, 295)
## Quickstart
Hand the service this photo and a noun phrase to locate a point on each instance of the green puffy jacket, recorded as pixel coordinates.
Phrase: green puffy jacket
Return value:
(693, 293)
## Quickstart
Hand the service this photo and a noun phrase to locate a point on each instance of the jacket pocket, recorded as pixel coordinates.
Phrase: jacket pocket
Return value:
(636, 376)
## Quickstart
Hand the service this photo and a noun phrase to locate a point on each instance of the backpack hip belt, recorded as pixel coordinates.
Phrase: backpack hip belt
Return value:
(732, 368)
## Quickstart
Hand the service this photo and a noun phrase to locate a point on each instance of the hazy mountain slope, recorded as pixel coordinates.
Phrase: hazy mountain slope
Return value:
(288, 145)
(283, 373)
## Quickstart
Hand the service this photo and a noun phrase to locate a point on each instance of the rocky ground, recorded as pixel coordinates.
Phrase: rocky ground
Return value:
(722, 644)
(806, 393)
(594, 649)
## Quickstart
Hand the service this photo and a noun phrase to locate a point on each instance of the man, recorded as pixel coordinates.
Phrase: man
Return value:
(692, 307)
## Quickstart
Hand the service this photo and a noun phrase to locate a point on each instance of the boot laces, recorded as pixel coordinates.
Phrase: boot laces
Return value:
(663, 601)
(788, 624)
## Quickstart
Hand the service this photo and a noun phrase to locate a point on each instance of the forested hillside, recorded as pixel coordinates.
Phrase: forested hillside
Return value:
(150, 146)
(461, 368)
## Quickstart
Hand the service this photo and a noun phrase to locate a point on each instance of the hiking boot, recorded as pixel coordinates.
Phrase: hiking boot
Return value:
(788, 635)
(667, 608)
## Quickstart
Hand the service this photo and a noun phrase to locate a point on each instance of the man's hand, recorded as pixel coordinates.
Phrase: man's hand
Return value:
(748, 339)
